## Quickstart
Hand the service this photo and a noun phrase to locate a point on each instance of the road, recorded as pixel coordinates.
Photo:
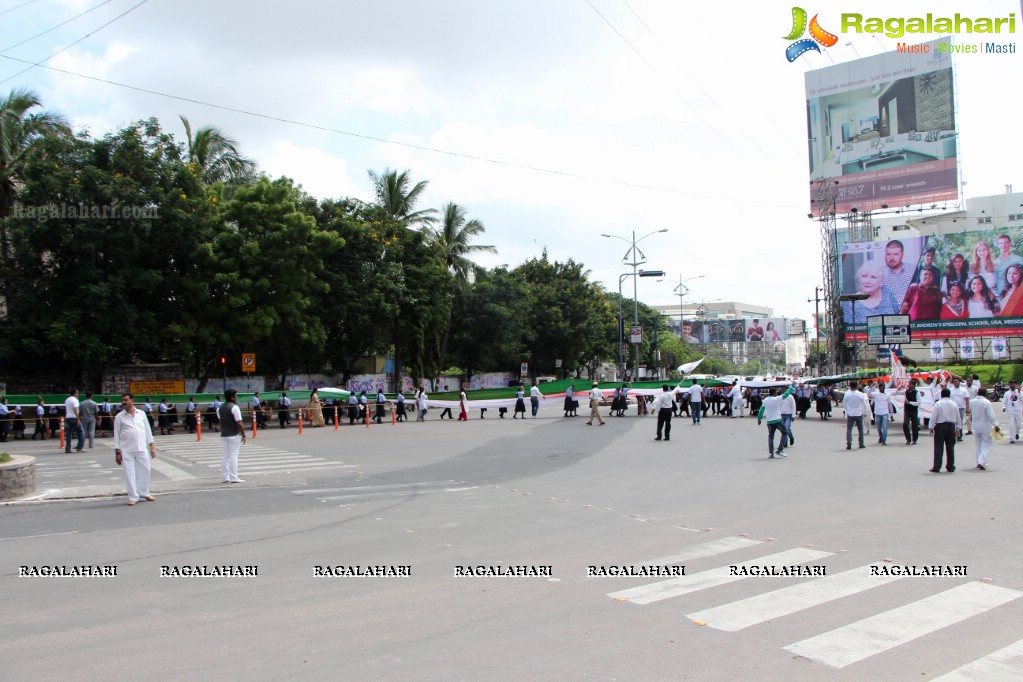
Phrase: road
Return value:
(441, 497)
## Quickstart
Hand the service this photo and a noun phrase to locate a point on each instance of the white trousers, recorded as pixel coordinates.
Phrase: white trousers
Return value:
(136, 474)
(984, 441)
(229, 457)
(737, 407)
(1015, 422)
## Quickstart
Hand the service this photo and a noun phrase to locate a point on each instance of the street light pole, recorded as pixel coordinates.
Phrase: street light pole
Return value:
(816, 323)
(636, 254)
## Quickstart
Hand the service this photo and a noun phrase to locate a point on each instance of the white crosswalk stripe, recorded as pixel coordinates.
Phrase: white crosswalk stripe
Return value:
(253, 459)
(666, 589)
(843, 646)
(363, 493)
(1004, 665)
(871, 636)
(744, 613)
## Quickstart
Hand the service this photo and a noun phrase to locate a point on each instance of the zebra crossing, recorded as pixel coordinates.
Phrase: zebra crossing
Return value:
(849, 644)
(76, 471)
(254, 460)
(355, 494)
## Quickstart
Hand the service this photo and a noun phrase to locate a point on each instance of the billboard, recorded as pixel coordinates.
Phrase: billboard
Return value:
(882, 128)
(960, 285)
(763, 329)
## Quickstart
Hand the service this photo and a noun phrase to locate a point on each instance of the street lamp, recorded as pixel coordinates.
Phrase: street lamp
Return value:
(636, 254)
(678, 289)
(621, 340)
(853, 298)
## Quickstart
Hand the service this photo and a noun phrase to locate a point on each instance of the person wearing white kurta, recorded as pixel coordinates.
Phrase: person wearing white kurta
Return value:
(736, 397)
(1014, 410)
(983, 422)
(960, 396)
(972, 386)
(132, 437)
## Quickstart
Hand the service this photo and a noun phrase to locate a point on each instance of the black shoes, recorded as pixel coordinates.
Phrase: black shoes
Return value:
(935, 471)
(982, 467)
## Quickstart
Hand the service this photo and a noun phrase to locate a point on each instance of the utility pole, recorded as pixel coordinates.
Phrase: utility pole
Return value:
(817, 324)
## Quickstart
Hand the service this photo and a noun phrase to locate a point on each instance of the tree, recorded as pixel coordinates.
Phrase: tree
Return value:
(454, 238)
(398, 197)
(216, 156)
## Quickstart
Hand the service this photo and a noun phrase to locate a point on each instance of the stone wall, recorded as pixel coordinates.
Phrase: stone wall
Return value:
(933, 100)
(17, 477)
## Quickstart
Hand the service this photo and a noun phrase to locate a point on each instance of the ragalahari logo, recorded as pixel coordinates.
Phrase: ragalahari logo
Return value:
(819, 35)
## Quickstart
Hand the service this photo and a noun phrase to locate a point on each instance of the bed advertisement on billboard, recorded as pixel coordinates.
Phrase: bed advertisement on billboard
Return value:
(961, 285)
(882, 130)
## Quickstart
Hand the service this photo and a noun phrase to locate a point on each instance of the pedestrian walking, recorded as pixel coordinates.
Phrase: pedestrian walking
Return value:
(520, 403)
(353, 408)
(595, 397)
(5, 420)
(946, 426)
(72, 423)
(134, 446)
(984, 422)
(960, 396)
(422, 405)
(696, 400)
(884, 408)
(1013, 409)
(463, 407)
(770, 409)
(190, 419)
(911, 418)
(40, 421)
(735, 395)
(284, 411)
(534, 398)
(788, 413)
(663, 404)
(856, 407)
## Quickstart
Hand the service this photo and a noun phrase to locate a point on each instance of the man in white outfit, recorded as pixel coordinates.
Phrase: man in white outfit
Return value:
(856, 407)
(984, 421)
(735, 395)
(232, 436)
(132, 437)
(972, 386)
(960, 396)
(1014, 410)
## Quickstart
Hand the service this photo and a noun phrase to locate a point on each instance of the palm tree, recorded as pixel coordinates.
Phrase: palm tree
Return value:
(453, 239)
(216, 156)
(20, 132)
(395, 195)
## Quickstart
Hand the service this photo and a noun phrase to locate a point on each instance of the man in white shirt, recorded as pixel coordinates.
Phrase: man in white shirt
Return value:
(132, 437)
(788, 413)
(984, 419)
(72, 423)
(946, 424)
(662, 405)
(856, 406)
(973, 386)
(1013, 409)
(735, 395)
(534, 398)
(960, 395)
(883, 409)
(595, 397)
(232, 436)
(696, 400)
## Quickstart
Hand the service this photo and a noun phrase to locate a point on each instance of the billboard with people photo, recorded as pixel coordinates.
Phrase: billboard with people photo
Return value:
(961, 285)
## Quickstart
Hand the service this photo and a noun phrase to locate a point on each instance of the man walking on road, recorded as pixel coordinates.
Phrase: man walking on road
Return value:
(595, 397)
(856, 407)
(946, 424)
(770, 409)
(232, 436)
(534, 398)
(883, 410)
(1014, 410)
(132, 437)
(72, 424)
(89, 410)
(696, 400)
(984, 422)
(662, 404)
(911, 420)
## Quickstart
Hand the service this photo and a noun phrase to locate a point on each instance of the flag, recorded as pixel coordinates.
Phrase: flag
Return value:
(899, 378)
(998, 349)
(689, 366)
(937, 349)
(966, 348)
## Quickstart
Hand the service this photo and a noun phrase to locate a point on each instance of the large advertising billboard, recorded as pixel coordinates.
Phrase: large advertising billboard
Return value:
(882, 130)
(762, 329)
(961, 285)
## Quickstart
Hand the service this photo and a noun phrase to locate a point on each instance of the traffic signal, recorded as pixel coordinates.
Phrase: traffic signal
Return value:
(223, 360)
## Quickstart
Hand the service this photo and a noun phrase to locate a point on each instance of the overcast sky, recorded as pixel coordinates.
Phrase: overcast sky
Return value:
(584, 116)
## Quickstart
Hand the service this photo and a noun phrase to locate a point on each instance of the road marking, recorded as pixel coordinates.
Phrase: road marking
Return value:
(863, 639)
(1004, 665)
(170, 471)
(666, 589)
(704, 549)
(742, 614)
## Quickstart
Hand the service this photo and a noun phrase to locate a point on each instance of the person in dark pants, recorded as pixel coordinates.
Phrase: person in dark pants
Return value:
(663, 404)
(946, 426)
(911, 418)
(353, 408)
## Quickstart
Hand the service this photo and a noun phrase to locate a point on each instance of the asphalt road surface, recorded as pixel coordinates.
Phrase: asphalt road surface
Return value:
(552, 497)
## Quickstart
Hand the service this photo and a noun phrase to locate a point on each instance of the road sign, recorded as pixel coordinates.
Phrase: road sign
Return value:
(248, 362)
(885, 329)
